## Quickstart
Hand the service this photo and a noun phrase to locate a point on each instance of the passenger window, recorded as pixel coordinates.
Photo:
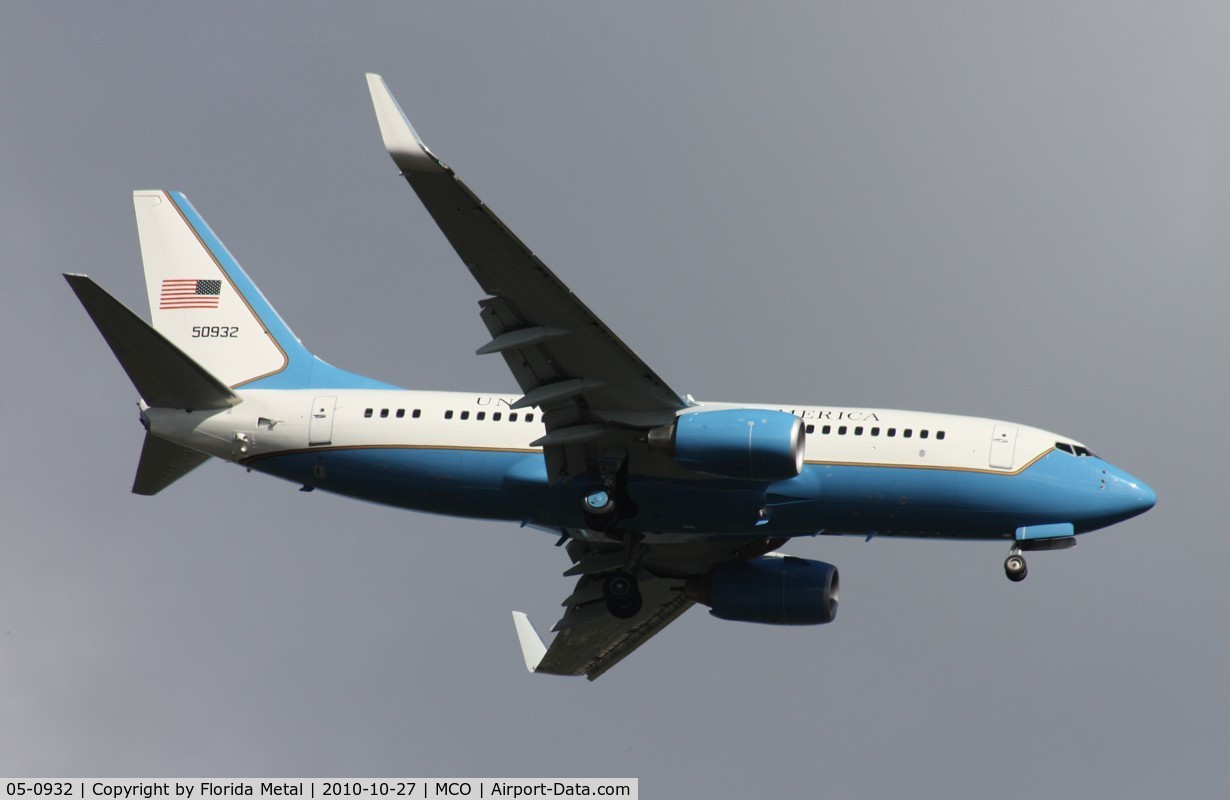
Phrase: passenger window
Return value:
(811, 428)
(841, 431)
(858, 431)
(512, 417)
(418, 412)
(448, 414)
(384, 413)
(465, 414)
(529, 417)
(367, 413)
(495, 416)
(922, 434)
(827, 429)
(482, 415)
(908, 432)
(939, 434)
(875, 431)
(401, 412)
(892, 432)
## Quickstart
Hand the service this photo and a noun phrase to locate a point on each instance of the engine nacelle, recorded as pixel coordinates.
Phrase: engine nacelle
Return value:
(774, 590)
(747, 443)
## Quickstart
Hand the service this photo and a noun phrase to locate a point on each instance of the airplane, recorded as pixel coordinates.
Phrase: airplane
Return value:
(660, 501)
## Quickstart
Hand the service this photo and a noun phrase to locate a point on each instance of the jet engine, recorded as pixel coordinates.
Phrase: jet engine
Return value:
(774, 590)
(748, 443)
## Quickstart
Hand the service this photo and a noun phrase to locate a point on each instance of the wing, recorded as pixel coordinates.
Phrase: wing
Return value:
(590, 386)
(589, 640)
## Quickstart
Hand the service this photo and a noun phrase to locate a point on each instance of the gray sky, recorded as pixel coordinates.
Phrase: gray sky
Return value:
(979, 208)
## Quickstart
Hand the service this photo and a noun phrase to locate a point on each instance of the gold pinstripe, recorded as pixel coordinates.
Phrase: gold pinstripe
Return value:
(986, 470)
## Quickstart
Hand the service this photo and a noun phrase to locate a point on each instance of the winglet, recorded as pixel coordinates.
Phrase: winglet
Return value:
(400, 139)
(532, 648)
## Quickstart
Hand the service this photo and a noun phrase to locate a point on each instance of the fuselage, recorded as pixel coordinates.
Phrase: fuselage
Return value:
(659, 502)
(866, 471)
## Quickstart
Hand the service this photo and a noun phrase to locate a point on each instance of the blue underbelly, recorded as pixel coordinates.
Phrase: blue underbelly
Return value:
(496, 484)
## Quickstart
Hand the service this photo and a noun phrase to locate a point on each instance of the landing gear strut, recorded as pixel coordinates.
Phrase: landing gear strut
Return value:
(1015, 567)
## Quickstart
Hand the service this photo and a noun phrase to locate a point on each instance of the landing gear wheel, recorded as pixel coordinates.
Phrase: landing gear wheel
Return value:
(623, 597)
(600, 508)
(1015, 567)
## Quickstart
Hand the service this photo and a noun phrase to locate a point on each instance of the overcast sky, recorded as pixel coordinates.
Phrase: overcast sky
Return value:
(1006, 210)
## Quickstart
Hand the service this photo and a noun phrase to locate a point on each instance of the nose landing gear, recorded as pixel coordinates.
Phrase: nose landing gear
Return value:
(1014, 564)
(1015, 567)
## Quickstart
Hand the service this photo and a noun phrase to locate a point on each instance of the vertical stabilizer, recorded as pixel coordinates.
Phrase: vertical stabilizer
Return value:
(203, 302)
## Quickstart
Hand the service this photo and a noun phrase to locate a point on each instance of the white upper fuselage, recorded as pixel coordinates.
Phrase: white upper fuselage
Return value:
(268, 422)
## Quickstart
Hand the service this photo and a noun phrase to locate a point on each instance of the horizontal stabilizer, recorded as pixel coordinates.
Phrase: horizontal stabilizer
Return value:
(162, 464)
(164, 375)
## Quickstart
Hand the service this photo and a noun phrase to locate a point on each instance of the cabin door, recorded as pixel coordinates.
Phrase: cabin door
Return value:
(320, 428)
(1003, 447)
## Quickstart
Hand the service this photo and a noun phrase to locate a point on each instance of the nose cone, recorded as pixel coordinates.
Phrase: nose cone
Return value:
(1127, 496)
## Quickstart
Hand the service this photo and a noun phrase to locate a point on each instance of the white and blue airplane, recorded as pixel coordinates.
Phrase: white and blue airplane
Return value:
(662, 501)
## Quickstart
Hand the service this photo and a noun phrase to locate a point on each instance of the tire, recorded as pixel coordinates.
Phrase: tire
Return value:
(600, 508)
(1015, 567)
(623, 597)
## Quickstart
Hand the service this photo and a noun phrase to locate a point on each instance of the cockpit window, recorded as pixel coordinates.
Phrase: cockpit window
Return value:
(1075, 449)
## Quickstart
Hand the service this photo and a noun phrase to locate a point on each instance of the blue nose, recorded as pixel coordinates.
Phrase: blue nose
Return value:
(1127, 496)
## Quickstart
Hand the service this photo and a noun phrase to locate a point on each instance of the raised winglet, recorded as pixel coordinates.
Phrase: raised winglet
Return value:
(532, 648)
(400, 139)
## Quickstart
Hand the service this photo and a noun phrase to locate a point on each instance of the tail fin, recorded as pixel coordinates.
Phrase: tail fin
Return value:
(203, 302)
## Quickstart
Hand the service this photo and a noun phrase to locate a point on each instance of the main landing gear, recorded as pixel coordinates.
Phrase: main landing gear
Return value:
(604, 505)
(622, 595)
(619, 588)
(600, 508)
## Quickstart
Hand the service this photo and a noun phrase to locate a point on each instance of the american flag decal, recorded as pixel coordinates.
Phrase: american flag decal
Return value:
(189, 293)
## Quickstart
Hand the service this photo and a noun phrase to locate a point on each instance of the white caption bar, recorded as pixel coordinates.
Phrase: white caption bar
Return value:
(390, 788)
